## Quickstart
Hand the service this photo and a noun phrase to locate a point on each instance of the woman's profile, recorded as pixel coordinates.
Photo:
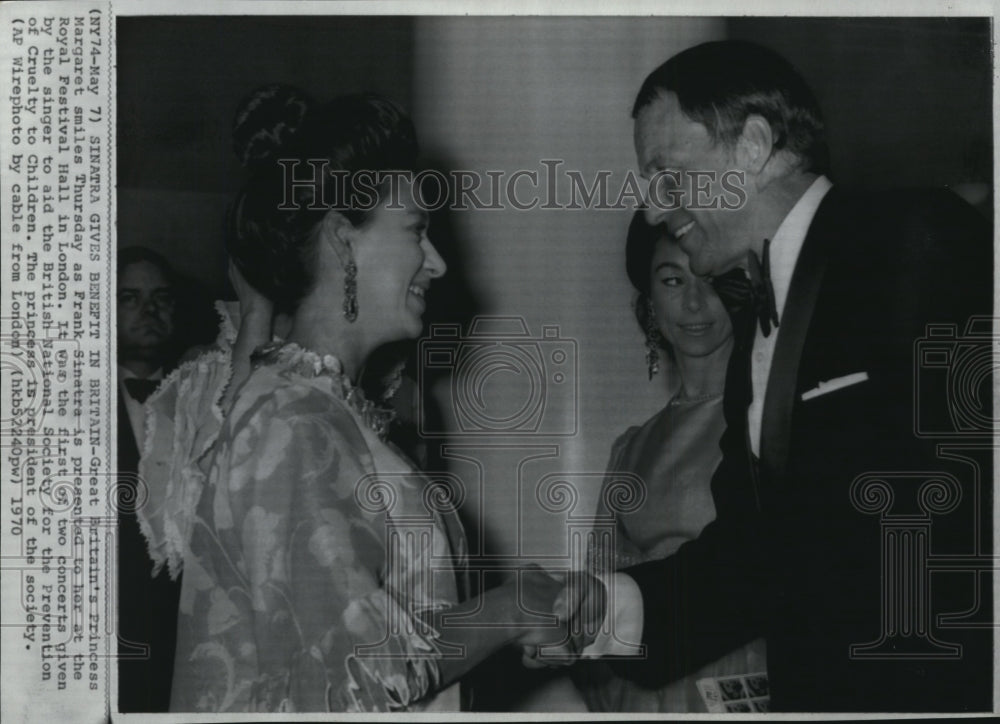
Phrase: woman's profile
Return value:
(318, 565)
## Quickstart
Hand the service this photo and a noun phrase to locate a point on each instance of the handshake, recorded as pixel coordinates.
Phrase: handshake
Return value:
(551, 617)
(579, 602)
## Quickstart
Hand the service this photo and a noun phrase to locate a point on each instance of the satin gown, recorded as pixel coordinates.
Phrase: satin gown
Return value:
(674, 453)
(313, 554)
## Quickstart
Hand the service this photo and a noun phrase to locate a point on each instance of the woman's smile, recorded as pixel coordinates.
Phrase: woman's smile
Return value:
(696, 329)
(418, 292)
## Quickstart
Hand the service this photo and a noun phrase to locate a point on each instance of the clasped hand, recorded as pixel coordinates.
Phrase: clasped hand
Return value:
(577, 599)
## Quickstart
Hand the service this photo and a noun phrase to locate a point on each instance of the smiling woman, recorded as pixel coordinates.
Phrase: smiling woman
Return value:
(300, 592)
(396, 263)
(689, 316)
(674, 453)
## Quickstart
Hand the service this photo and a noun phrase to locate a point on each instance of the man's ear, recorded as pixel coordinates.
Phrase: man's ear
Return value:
(755, 145)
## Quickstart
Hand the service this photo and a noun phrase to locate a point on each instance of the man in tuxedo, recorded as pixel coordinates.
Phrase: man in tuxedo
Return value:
(829, 488)
(147, 606)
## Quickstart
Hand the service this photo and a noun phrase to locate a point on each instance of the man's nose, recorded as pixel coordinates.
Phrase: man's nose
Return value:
(662, 196)
(694, 295)
(654, 216)
(153, 307)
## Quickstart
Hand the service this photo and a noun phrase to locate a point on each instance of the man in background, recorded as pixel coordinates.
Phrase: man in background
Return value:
(147, 606)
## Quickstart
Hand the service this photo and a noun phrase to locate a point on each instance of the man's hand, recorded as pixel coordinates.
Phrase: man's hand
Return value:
(580, 606)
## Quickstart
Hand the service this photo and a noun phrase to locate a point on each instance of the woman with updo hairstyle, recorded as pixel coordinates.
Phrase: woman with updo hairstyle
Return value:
(286, 141)
(689, 336)
(318, 566)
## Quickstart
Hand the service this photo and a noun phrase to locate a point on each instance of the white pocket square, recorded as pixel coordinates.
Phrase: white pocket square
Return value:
(835, 384)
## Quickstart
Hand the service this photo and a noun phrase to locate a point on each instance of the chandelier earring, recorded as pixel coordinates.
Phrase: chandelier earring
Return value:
(653, 338)
(350, 290)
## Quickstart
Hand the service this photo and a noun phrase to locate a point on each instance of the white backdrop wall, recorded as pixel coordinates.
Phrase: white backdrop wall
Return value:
(505, 94)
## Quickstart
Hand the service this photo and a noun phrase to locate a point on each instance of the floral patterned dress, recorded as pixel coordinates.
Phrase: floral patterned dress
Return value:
(314, 558)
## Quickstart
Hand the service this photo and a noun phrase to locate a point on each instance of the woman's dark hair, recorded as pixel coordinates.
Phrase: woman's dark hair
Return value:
(301, 157)
(719, 84)
(640, 244)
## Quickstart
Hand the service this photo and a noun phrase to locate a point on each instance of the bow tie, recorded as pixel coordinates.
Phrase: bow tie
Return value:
(752, 289)
(140, 390)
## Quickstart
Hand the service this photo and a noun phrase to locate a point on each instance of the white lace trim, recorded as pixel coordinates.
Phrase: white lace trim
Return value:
(187, 408)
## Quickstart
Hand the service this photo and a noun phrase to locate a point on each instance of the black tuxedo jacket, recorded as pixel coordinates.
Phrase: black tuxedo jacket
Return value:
(147, 606)
(799, 551)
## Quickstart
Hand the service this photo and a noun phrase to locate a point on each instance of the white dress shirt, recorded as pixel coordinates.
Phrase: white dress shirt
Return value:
(136, 411)
(625, 615)
(784, 252)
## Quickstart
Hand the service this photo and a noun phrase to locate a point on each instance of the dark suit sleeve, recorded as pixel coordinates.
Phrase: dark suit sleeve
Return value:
(147, 604)
(927, 259)
(702, 602)
(913, 260)
(709, 597)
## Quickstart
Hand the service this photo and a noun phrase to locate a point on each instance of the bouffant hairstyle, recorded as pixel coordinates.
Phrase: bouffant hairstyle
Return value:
(300, 157)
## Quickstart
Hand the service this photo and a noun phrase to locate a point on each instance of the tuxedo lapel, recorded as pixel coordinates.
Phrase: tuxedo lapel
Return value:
(128, 449)
(782, 380)
(735, 442)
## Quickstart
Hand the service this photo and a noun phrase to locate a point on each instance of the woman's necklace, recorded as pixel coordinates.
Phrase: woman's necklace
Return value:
(681, 399)
(312, 364)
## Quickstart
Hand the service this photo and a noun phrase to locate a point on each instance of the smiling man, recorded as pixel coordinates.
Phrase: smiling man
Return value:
(820, 406)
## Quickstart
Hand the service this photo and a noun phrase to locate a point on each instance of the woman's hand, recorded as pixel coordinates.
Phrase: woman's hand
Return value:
(252, 302)
(519, 612)
(581, 606)
(256, 318)
(586, 597)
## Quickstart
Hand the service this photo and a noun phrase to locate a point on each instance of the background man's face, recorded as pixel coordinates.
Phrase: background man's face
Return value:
(145, 312)
(715, 239)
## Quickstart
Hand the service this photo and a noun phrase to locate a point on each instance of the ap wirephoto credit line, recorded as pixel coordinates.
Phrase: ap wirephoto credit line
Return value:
(58, 476)
(421, 359)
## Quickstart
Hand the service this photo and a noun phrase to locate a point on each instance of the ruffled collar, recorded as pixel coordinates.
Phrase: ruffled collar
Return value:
(310, 364)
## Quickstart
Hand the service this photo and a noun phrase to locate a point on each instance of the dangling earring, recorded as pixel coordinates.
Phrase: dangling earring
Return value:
(350, 291)
(652, 339)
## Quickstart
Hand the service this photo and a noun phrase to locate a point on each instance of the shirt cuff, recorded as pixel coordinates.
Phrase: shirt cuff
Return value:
(621, 631)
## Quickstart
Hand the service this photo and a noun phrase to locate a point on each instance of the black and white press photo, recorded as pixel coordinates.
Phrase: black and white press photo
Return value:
(585, 365)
